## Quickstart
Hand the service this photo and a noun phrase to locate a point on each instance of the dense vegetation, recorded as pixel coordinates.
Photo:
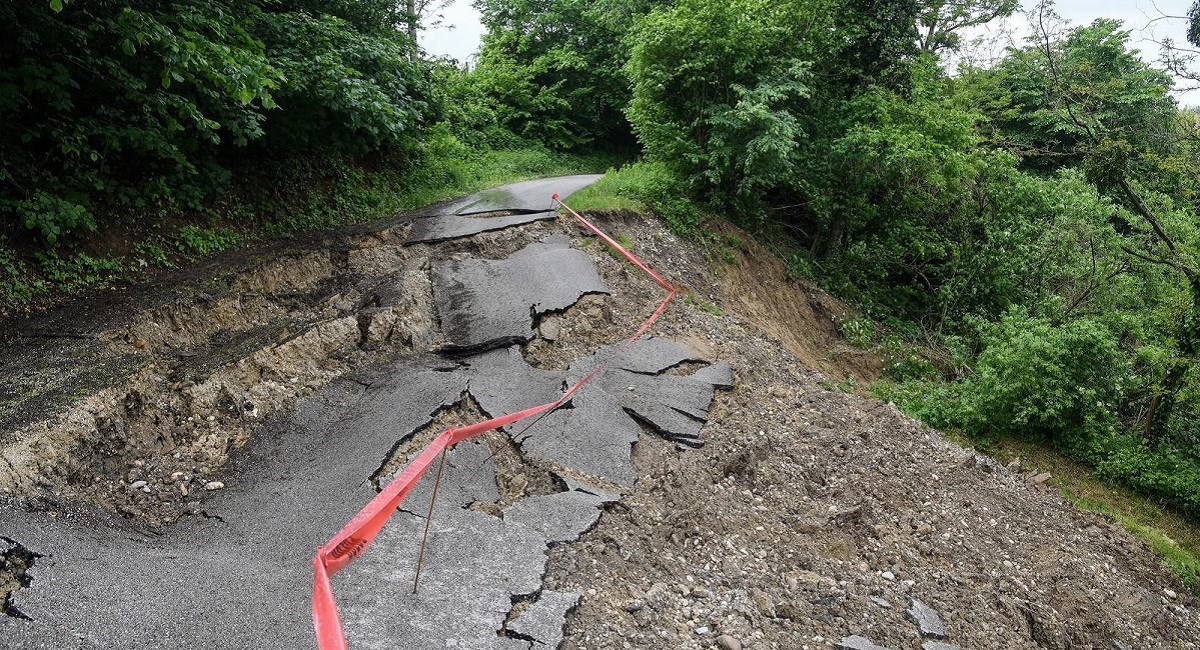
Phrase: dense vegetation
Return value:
(1026, 230)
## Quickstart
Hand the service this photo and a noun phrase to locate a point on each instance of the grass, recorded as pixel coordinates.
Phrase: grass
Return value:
(643, 186)
(618, 190)
(702, 304)
(1175, 538)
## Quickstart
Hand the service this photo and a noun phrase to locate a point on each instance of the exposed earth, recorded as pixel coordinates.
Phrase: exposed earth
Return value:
(174, 453)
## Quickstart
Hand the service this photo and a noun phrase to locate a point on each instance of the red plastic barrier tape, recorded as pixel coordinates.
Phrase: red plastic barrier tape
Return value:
(357, 534)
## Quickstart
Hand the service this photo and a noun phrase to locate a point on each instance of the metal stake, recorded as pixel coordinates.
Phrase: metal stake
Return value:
(428, 517)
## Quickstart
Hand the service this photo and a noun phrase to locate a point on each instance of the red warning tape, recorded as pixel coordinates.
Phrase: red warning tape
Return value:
(357, 534)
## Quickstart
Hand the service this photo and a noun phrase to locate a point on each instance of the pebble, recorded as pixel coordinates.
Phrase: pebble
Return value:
(888, 575)
(703, 629)
(137, 485)
(726, 642)
(857, 642)
(214, 485)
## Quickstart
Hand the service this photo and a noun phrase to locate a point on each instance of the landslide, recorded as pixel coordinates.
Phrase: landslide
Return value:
(810, 515)
(813, 515)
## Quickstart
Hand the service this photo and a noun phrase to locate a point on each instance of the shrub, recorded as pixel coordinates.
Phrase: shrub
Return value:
(1058, 382)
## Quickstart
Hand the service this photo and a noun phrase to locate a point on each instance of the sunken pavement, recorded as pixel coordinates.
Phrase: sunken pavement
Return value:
(238, 574)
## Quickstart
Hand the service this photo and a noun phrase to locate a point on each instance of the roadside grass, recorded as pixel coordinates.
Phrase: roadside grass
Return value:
(642, 186)
(1172, 536)
(618, 190)
(270, 202)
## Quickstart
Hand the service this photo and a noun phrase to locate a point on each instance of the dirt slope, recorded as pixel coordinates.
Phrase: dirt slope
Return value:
(814, 515)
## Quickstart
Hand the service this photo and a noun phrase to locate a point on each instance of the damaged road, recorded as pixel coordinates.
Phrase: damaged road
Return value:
(233, 569)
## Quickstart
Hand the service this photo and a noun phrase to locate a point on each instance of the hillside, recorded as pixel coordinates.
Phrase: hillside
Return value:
(175, 452)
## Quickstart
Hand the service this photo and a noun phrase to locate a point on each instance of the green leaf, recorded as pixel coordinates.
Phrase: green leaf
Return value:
(127, 46)
(56, 5)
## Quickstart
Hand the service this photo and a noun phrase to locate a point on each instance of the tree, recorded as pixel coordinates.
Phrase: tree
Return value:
(728, 121)
(553, 68)
(940, 22)
(1099, 104)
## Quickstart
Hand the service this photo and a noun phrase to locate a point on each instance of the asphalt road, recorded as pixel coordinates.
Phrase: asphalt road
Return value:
(239, 575)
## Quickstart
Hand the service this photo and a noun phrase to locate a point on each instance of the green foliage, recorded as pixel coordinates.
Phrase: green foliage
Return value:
(859, 331)
(549, 71)
(1058, 98)
(349, 89)
(1035, 379)
(55, 218)
(903, 361)
(1166, 474)
(726, 122)
(197, 241)
(111, 109)
(940, 23)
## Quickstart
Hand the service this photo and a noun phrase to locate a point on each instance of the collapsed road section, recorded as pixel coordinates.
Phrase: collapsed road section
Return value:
(205, 540)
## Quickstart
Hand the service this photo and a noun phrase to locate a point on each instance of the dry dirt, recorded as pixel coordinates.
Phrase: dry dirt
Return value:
(810, 515)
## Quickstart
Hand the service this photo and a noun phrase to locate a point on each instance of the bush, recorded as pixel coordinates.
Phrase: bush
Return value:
(1163, 473)
(1034, 378)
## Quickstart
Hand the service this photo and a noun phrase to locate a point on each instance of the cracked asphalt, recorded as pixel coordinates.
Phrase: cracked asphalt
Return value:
(238, 575)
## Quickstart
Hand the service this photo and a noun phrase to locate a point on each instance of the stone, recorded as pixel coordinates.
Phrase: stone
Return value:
(1040, 479)
(938, 645)
(726, 642)
(927, 619)
(857, 643)
(763, 602)
(214, 485)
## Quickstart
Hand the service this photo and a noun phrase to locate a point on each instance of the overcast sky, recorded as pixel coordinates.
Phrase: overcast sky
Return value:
(460, 37)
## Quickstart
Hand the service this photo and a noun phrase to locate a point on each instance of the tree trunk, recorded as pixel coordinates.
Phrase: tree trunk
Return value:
(412, 23)
(1163, 404)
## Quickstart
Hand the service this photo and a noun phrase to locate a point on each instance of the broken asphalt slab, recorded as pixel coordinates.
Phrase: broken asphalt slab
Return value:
(521, 203)
(485, 304)
(476, 566)
(595, 431)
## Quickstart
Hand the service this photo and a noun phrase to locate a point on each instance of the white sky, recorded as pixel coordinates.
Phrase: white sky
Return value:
(460, 36)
